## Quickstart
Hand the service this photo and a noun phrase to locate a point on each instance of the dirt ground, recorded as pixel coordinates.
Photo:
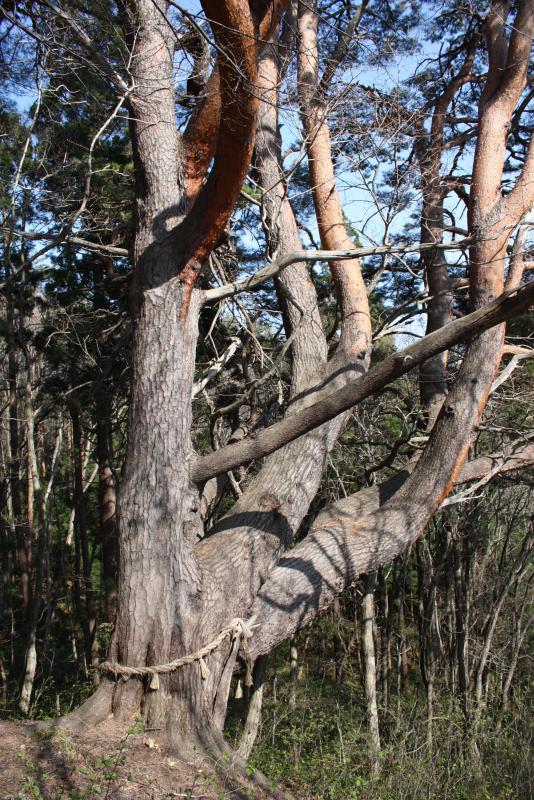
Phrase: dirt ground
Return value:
(108, 763)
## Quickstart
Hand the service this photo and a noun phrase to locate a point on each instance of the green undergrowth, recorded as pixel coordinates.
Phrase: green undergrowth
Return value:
(320, 748)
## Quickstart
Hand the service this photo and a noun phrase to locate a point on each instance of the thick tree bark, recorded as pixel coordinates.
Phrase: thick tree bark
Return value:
(165, 602)
(160, 586)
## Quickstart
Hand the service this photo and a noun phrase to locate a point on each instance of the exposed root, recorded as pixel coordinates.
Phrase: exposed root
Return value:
(231, 767)
(94, 710)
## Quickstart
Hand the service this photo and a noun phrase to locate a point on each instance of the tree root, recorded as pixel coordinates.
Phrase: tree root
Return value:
(232, 767)
(226, 762)
(94, 710)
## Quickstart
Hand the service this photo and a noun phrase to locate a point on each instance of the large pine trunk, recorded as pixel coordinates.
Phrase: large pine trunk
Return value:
(170, 603)
(160, 592)
(166, 607)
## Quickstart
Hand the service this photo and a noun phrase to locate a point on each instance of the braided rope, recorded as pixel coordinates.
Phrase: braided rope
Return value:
(240, 631)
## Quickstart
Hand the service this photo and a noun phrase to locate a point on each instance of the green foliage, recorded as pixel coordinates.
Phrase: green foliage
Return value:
(320, 749)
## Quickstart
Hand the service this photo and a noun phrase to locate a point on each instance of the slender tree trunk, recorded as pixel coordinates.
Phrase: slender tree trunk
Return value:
(429, 148)
(293, 673)
(461, 633)
(30, 658)
(428, 660)
(340, 651)
(515, 574)
(161, 602)
(369, 664)
(107, 502)
(107, 495)
(15, 488)
(385, 639)
(521, 632)
(253, 718)
(89, 618)
(355, 339)
(403, 646)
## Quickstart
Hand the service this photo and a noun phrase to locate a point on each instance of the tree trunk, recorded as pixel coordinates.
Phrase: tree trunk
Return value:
(293, 673)
(30, 658)
(429, 148)
(369, 664)
(13, 465)
(461, 633)
(385, 641)
(161, 602)
(107, 493)
(253, 718)
(80, 520)
(107, 502)
(176, 592)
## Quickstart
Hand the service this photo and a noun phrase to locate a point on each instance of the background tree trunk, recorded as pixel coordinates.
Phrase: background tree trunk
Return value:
(369, 666)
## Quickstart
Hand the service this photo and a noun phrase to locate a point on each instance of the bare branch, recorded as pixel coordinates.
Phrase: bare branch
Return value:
(105, 249)
(341, 49)
(507, 371)
(214, 369)
(274, 269)
(93, 49)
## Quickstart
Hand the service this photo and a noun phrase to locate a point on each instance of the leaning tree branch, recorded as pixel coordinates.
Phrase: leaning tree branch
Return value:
(276, 267)
(511, 459)
(349, 286)
(200, 135)
(216, 367)
(340, 51)
(510, 367)
(272, 438)
(340, 547)
(521, 198)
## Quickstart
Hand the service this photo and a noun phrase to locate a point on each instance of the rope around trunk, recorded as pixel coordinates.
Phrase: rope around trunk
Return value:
(238, 629)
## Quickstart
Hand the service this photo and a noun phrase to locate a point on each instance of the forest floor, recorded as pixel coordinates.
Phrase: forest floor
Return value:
(107, 763)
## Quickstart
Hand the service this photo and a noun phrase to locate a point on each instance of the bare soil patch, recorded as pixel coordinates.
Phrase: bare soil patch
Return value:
(106, 763)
